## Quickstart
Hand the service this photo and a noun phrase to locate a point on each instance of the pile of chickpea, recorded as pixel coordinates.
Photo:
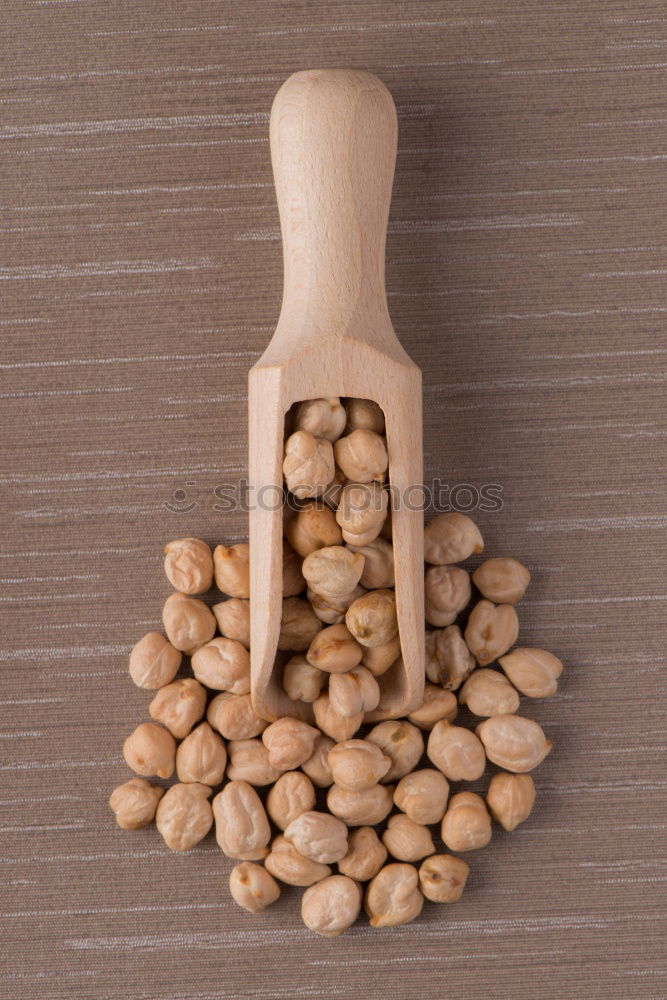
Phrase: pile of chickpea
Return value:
(295, 798)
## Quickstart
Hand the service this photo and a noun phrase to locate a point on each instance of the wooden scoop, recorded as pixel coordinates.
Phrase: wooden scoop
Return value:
(333, 148)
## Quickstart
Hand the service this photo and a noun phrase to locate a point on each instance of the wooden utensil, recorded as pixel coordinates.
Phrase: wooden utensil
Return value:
(333, 148)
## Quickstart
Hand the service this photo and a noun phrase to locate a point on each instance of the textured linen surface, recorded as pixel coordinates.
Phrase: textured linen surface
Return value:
(141, 277)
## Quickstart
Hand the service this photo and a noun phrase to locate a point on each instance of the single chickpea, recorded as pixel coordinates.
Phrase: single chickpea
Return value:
(513, 743)
(293, 579)
(422, 795)
(361, 512)
(401, 741)
(333, 571)
(406, 840)
(366, 808)
(179, 705)
(361, 456)
(134, 803)
(252, 887)
(502, 581)
(233, 618)
(437, 704)
(378, 659)
(338, 727)
(201, 757)
(150, 751)
(323, 418)
(318, 836)
(334, 650)
(447, 593)
(223, 665)
(533, 671)
(184, 815)
(466, 825)
(154, 662)
(372, 618)
(289, 866)
(378, 566)
(451, 538)
(301, 680)
(292, 794)
(188, 622)
(232, 569)
(332, 610)
(442, 878)
(313, 527)
(249, 761)
(365, 855)
(317, 766)
(290, 742)
(354, 691)
(308, 466)
(393, 897)
(491, 630)
(234, 717)
(363, 414)
(448, 659)
(456, 752)
(357, 765)
(510, 798)
(487, 693)
(299, 625)
(241, 825)
(331, 906)
(188, 564)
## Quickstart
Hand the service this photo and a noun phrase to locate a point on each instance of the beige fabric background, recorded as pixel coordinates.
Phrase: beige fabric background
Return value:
(141, 276)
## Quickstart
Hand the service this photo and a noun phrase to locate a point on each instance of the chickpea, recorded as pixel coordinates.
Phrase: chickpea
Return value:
(437, 704)
(456, 752)
(442, 878)
(361, 512)
(241, 824)
(422, 795)
(372, 618)
(451, 538)
(150, 751)
(134, 803)
(338, 727)
(292, 794)
(308, 466)
(363, 414)
(299, 625)
(357, 765)
(491, 630)
(366, 808)
(447, 593)
(232, 569)
(290, 742)
(502, 581)
(365, 855)
(188, 564)
(466, 825)
(154, 662)
(179, 705)
(448, 659)
(392, 897)
(252, 887)
(184, 815)
(301, 680)
(286, 864)
(317, 766)
(401, 741)
(323, 418)
(201, 757)
(487, 692)
(378, 566)
(510, 798)
(334, 649)
(378, 659)
(331, 610)
(354, 691)
(233, 618)
(333, 571)
(223, 665)
(533, 671)
(293, 579)
(314, 527)
(188, 622)
(249, 761)
(361, 456)
(318, 836)
(234, 717)
(406, 840)
(331, 906)
(514, 743)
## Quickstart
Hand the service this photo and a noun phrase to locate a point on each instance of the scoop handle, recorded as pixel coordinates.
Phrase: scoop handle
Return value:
(333, 147)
